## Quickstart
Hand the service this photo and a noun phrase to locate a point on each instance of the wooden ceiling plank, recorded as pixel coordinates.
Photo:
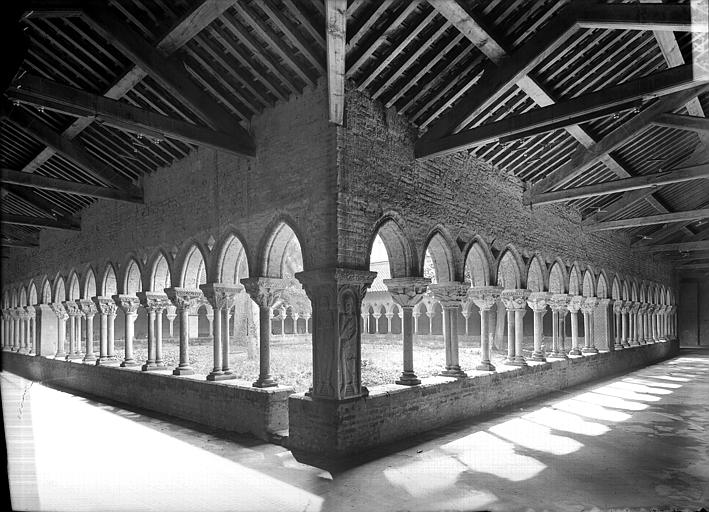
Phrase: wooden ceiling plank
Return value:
(46, 183)
(75, 102)
(649, 220)
(612, 187)
(38, 222)
(701, 245)
(656, 17)
(336, 37)
(305, 22)
(364, 28)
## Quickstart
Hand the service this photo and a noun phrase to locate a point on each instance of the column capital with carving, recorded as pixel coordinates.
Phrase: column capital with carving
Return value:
(59, 310)
(185, 298)
(221, 296)
(128, 303)
(559, 302)
(87, 307)
(576, 303)
(407, 291)
(605, 302)
(589, 304)
(450, 294)
(72, 308)
(105, 305)
(31, 311)
(153, 301)
(266, 292)
(516, 299)
(538, 301)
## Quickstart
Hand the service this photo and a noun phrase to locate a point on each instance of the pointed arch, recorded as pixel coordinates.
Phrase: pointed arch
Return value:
(282, 254)
(132, 281)
(536, 274)
(558, 278)
(59, 289)
(89, 289)
(509, 265)
(643, 295)
(160, 274)
(23, 296)
(589, 283)
(32, 294)
(617, 289)
(399, 249)
(624, 290)
(194, 268)
(6, 299)
(478, 263)
(14, 300)
(602, 286)
(74, 287)
(633, 290)
(575, 280)
(109, 282)
(46, 291)
(232, 260)
(439, 258)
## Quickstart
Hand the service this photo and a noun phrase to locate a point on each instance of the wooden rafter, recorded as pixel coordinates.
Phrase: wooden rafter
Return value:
(45, 183)
(682, 122)
(671, 18)
(613, 187)
(701, 245)
(649, 220)
(36, 201)
(336, 21)
(75, 102)
(38, 222)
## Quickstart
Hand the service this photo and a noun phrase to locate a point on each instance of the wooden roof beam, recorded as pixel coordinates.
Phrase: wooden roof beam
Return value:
(69, 100)
(681, 122)
(36, 201)
(701, 245)
(38, 222)
(169, 73)
(649, 220)
(336, 36)
(18, 243)
(613, 187)
(45, 183)
(566, 113)
(657, 17)
(693, 266)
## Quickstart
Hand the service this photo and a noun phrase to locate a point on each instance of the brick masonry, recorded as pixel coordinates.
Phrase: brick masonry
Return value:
(395, 412)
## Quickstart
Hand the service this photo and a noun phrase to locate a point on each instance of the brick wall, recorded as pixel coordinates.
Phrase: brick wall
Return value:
(463, 194)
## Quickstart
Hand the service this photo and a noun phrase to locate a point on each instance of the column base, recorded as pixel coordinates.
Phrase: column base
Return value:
(575, 352)
(222, 376)
(73, 357)
(265, 383)
(129, 363)
(23, 351)
(151, 367)
(185, 370)
(634, 343)
(60, 355)
(589, 350)
(485, 366)
(557, 355)
(618, 347)
(408, 379)
(89, 359)
(454, 372)
(538, 356)
(626, 344)
(517, 361)
(105, 361)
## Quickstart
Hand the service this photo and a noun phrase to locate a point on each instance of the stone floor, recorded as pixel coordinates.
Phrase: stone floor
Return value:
(637, 441)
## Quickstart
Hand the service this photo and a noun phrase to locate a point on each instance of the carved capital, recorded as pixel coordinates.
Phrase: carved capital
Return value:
(59, 310)
(105, 305)
(266, 292)
(515, 300)
(589, 304)
(635, 307)
(128, 303)
(538, 301)
(185, 298)
(618, 306)
(72, 308)
(485, 297)
(604, 303)
(315, 281)
(87, 307)
(153, 301)
(407, 291)
(559, 302)
(450, 294)
(221, 296)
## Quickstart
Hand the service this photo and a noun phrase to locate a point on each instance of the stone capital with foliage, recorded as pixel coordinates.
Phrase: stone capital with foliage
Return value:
(515, 300)
(538, 301)
(88, 307)
(407, 291)
(128, 303)
(221, 296)
(105, 305)
(450, 294)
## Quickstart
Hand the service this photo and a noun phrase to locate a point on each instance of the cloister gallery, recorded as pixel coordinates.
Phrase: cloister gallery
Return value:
(209, 212)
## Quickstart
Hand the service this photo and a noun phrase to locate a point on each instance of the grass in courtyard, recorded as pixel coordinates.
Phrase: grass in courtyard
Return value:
(291, 363)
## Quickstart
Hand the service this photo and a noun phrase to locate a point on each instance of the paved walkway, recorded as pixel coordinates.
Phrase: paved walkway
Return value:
(635, 441)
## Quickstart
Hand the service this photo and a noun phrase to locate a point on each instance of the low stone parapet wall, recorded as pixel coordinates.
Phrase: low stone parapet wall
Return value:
(394, 412)
(231, 405)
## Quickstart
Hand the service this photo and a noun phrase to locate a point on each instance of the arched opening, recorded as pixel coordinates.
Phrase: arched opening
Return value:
(508, 273)
(575, 281)
(32, 299)
(109, 287)
(132, 283)
(74, 287)
(160, 277)
(602, 287)
(46, 292)
(90, 284)
(477, 266)
(194, 270)
(535, 276)
(59, 290)
(438, 262)
(23, 296)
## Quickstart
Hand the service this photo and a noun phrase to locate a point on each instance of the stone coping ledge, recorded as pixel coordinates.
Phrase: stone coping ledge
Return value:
(231, 405)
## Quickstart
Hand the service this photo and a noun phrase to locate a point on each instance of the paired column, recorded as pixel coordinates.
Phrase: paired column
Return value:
(5, 329)
(618, 324)
(267, 293)
(634, 331)
(537, 302)
(22, 325)
(450, 295)
(107, 310)
(407, 292)
(485, 297)
(336, 295)
(515, 302)
(170, 314)
(642, 331)
(589, 323)
(222, 298)
(72, 309)
(32, 329)
(575, 304)
(558, 303)
(186, 302)
(154, 303)
(129, 304)
(89, 309)
(61, 314)
(624, 324)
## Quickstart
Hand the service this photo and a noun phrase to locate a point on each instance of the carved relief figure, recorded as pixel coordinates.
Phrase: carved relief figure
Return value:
(348, 323)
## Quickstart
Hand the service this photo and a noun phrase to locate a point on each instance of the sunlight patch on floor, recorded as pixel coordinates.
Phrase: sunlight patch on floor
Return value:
(627, 394)
(605, 400)
(535, 437)
(560, 420)
(590, 410)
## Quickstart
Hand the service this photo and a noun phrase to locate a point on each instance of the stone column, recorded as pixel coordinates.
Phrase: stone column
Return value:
(336, 295)
(537, 302)
(377, 315)
(485, 297)
(558, 304)
(624, 331)
(107, 311)
(641, 323)
(673, 323)
(72, 309)
(89, 309)
(389, 315)
(515, 302)
(365, 321)
(663, 323)
(3, 314)
(282, 314)
(575, 304)
(61, 314)
(171, 315)
(618, 324)
(186, 302)
(129, 304)
(588, 307)
(221, 297)
(465, 312)
(154, 303)
(32, 329)
(634, 339)
(450, 295)
(407, 292)
(267, 293)
(416, 315)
